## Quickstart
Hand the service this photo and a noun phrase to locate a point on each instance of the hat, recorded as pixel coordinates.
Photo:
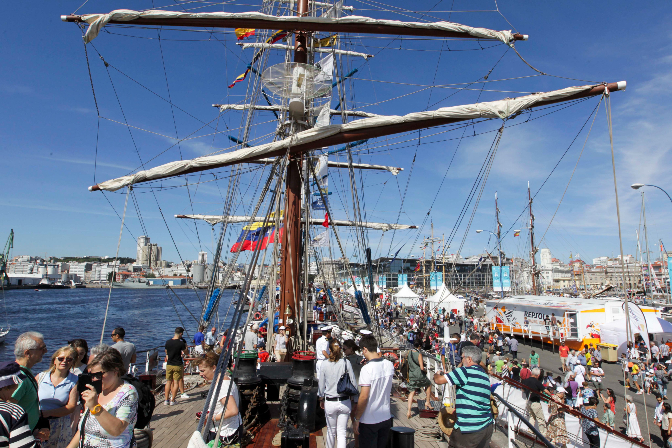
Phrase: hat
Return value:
(561, 389)
(282, 327)
(255, 326)
(326, 328)
(498, 353)
(10, 374)
(365, 332)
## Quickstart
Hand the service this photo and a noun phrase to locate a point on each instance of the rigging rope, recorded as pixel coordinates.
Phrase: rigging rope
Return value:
(114, 267)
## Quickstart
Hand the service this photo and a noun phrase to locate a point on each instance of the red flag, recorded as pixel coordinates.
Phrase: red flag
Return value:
(326, 220)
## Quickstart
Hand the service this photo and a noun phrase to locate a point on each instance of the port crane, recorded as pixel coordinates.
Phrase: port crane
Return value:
(4, 258)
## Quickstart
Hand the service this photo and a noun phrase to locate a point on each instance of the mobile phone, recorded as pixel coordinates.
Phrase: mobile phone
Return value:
(87, 378)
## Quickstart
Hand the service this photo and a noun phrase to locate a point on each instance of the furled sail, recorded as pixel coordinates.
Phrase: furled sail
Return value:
(360, 129)
(216, 219)
(278, 108)
(355, 24)
(359, 166)
(316, 50)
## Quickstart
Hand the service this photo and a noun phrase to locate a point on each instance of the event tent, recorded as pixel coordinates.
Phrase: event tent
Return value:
(364, 289)
(405, 296)
(443, 298)
(613, 332)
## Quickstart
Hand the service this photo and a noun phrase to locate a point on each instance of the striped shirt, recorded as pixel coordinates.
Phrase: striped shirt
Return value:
(472, 402)
(14, 429)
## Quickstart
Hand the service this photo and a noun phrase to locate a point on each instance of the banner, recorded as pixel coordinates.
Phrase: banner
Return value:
(435, 280)
(402, 279)
(322, 173)
(382, 281)
(321, 240)
(505, 280)
(637, 321)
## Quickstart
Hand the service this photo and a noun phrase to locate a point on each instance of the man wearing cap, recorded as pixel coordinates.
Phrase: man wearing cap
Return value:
(29, 349)
(14, 428)
(251, 338)
(322, 347)
(280, 345)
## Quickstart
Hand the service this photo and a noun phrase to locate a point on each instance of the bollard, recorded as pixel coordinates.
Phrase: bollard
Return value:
(401, 437)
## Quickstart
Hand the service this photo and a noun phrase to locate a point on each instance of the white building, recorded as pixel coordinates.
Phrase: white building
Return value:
(147, 253)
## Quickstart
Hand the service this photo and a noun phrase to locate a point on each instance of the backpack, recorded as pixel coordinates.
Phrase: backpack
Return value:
(146, 401)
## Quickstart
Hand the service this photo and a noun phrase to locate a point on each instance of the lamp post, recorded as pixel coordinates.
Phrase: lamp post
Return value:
(499, 248)
(669, 287)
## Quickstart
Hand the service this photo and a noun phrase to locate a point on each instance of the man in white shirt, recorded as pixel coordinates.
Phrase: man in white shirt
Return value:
(580, 371)
(322, 348)
(596, 375)
(251, 338)
(373, 417)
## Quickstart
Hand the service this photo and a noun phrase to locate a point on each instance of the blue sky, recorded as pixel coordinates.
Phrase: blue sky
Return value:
(49, 128)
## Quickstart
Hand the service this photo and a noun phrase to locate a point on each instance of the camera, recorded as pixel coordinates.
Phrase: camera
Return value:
(87, 378)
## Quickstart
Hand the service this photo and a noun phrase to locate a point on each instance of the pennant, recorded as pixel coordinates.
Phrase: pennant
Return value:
(240, 78)
(280, 34)
(327, 41)
(516, 233)
(242, 33)
(326, 220)
(397, 253)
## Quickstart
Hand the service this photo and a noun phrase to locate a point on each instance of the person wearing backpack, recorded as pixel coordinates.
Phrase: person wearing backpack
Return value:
(337, 405)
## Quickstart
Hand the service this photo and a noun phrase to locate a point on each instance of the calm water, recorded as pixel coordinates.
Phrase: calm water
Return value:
(148, 316)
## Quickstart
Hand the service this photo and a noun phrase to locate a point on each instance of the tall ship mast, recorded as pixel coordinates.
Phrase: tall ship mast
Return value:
(298, 76)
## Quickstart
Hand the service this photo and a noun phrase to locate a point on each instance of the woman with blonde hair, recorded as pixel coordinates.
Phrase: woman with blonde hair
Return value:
(336, 407)
(57, 392)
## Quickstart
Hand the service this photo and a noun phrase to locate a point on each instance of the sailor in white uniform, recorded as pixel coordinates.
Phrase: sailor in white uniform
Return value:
(364, 332)
(322, 348)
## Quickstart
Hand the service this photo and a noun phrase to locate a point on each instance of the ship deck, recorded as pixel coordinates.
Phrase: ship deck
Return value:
(172, 426)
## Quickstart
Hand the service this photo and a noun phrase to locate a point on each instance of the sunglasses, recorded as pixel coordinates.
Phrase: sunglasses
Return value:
(97, 375)
(63, 358)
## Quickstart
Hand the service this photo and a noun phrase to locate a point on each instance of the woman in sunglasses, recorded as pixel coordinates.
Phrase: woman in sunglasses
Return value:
(57, 392)
(110, 405)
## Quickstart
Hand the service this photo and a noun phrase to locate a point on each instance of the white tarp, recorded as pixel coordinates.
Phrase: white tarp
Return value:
(405, 296)
(443, 298)
(614, 332)
(216, 219)
(577, 439)
(493, 109)
(98, 21)
(358, 166)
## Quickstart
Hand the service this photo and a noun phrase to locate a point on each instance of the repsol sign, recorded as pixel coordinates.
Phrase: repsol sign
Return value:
(534, 315)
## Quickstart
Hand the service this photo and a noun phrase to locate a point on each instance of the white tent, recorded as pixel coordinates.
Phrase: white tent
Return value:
(364, 289)
(405, 296)
(613, 332)
(443, 298)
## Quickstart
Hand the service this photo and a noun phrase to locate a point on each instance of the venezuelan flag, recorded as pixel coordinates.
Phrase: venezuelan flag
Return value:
(256, 234)
(242, 33)
(240, 78)
(280, 34)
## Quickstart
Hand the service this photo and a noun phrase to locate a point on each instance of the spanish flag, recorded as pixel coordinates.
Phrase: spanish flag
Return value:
(242, 33)
(516, 233)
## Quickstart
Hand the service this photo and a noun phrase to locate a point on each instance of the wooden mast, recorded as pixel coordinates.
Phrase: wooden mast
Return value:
(290, 267)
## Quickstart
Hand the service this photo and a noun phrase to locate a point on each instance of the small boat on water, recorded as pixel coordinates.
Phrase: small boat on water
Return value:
(3, 334)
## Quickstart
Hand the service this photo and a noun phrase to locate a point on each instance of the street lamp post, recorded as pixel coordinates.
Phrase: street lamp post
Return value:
(499, 248)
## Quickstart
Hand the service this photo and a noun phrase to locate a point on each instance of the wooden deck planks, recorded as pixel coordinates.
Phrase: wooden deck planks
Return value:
(173, 425)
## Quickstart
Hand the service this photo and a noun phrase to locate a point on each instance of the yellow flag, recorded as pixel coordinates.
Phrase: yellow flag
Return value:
(327, 41)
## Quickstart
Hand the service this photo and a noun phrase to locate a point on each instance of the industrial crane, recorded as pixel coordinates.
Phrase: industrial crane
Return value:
(4, 258)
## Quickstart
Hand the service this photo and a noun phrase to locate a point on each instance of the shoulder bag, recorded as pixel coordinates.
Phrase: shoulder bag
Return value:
(345, 386)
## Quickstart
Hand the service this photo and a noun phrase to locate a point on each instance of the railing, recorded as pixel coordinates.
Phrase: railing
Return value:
(510, 426)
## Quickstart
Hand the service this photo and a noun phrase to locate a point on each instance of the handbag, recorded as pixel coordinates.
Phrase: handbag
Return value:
(345, 386)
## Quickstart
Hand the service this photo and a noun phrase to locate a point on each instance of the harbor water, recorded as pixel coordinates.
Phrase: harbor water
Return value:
(149, 316)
